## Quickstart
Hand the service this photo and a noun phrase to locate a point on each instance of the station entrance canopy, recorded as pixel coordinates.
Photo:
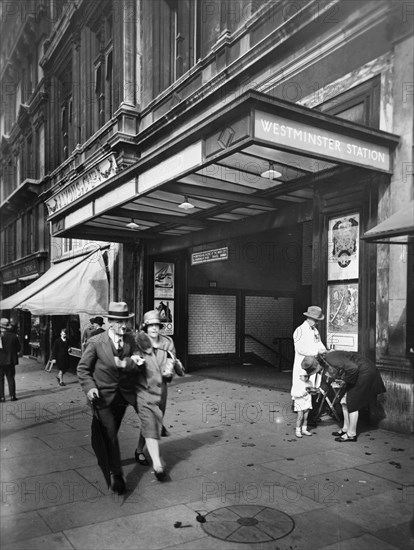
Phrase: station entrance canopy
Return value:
(216, 162)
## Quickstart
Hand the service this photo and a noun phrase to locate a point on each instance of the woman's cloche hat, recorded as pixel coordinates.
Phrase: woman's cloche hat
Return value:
(119, 310)
(314, 312)
(5, 323)
(152, 318)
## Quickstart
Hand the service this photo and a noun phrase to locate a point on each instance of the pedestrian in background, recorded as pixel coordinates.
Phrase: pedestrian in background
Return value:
(9, 357)
(60, 355)
(307, 342)
(98, 323)
(90, 327)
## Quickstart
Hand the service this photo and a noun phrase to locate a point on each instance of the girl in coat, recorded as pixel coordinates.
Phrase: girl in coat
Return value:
(363, 381)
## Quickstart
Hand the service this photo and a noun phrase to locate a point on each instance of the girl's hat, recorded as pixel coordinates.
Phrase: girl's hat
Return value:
(310, 364)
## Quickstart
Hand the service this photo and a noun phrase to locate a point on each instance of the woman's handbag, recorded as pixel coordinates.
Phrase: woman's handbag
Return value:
(179, 368)
(172, 366)
(49, 365)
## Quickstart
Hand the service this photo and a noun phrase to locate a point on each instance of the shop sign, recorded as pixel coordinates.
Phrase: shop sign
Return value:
(215, 255)
(19, 271)
(81, 186)
(311, 139)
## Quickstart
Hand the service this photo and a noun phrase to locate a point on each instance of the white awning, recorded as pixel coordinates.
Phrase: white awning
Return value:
(76, 285)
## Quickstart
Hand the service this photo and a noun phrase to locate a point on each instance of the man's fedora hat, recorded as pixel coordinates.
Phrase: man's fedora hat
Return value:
(314, 312)
(98, 320)
(152, 318)
(5, 323)
(119, 310)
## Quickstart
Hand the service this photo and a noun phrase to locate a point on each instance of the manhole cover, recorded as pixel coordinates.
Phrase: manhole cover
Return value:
(248, 524)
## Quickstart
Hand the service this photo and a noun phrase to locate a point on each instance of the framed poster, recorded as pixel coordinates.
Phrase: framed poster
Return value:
(343, 248)
(342, 330)
(163, 280)
(166, 311)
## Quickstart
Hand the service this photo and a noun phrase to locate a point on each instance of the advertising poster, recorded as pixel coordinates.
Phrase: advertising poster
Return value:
(163, 280)
(342, 330)
(343, 248)
(166, 311)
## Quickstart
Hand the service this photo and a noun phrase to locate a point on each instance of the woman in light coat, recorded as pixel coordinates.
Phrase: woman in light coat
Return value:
(158, 352)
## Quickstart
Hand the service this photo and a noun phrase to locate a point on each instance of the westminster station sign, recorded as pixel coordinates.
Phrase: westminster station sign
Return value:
(304, 137)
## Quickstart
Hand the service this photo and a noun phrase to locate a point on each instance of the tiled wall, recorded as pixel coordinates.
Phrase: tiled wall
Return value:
(211, 324)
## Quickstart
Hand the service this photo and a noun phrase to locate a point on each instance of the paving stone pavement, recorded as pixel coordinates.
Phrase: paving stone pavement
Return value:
(232, 460)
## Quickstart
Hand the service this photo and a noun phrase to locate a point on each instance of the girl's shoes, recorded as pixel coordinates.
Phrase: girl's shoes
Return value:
(339, 433)
(305, 432)
(160, 475)
(141, 458)
(298, 432)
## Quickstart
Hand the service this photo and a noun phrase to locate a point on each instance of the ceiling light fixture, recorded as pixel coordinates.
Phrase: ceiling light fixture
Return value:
(186, 205)
(132, 225)
(271, 174)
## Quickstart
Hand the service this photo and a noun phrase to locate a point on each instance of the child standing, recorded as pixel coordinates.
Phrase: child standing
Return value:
(301, 392)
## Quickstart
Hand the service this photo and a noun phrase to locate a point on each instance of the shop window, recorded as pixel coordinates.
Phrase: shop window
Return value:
(360, 104)
(34, 340)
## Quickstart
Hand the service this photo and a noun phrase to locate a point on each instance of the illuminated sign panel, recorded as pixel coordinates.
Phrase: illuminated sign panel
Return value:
(303, 137)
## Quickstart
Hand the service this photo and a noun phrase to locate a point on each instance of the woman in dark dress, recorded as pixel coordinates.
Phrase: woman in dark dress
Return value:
(60, 355)
(363, 381)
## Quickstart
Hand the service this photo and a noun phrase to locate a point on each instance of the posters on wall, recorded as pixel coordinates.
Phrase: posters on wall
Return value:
(343, 248)
(163, 280)
(343, 316)
(343, 287)
(164, 294)
(166, 311)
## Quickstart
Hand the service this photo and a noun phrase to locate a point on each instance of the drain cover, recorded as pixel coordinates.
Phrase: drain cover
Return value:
(248, 524)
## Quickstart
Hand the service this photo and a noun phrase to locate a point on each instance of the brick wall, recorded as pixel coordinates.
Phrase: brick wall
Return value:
(211, 324)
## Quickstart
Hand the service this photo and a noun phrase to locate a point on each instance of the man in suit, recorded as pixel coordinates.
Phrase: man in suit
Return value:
(105, 372)
(9, 357)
